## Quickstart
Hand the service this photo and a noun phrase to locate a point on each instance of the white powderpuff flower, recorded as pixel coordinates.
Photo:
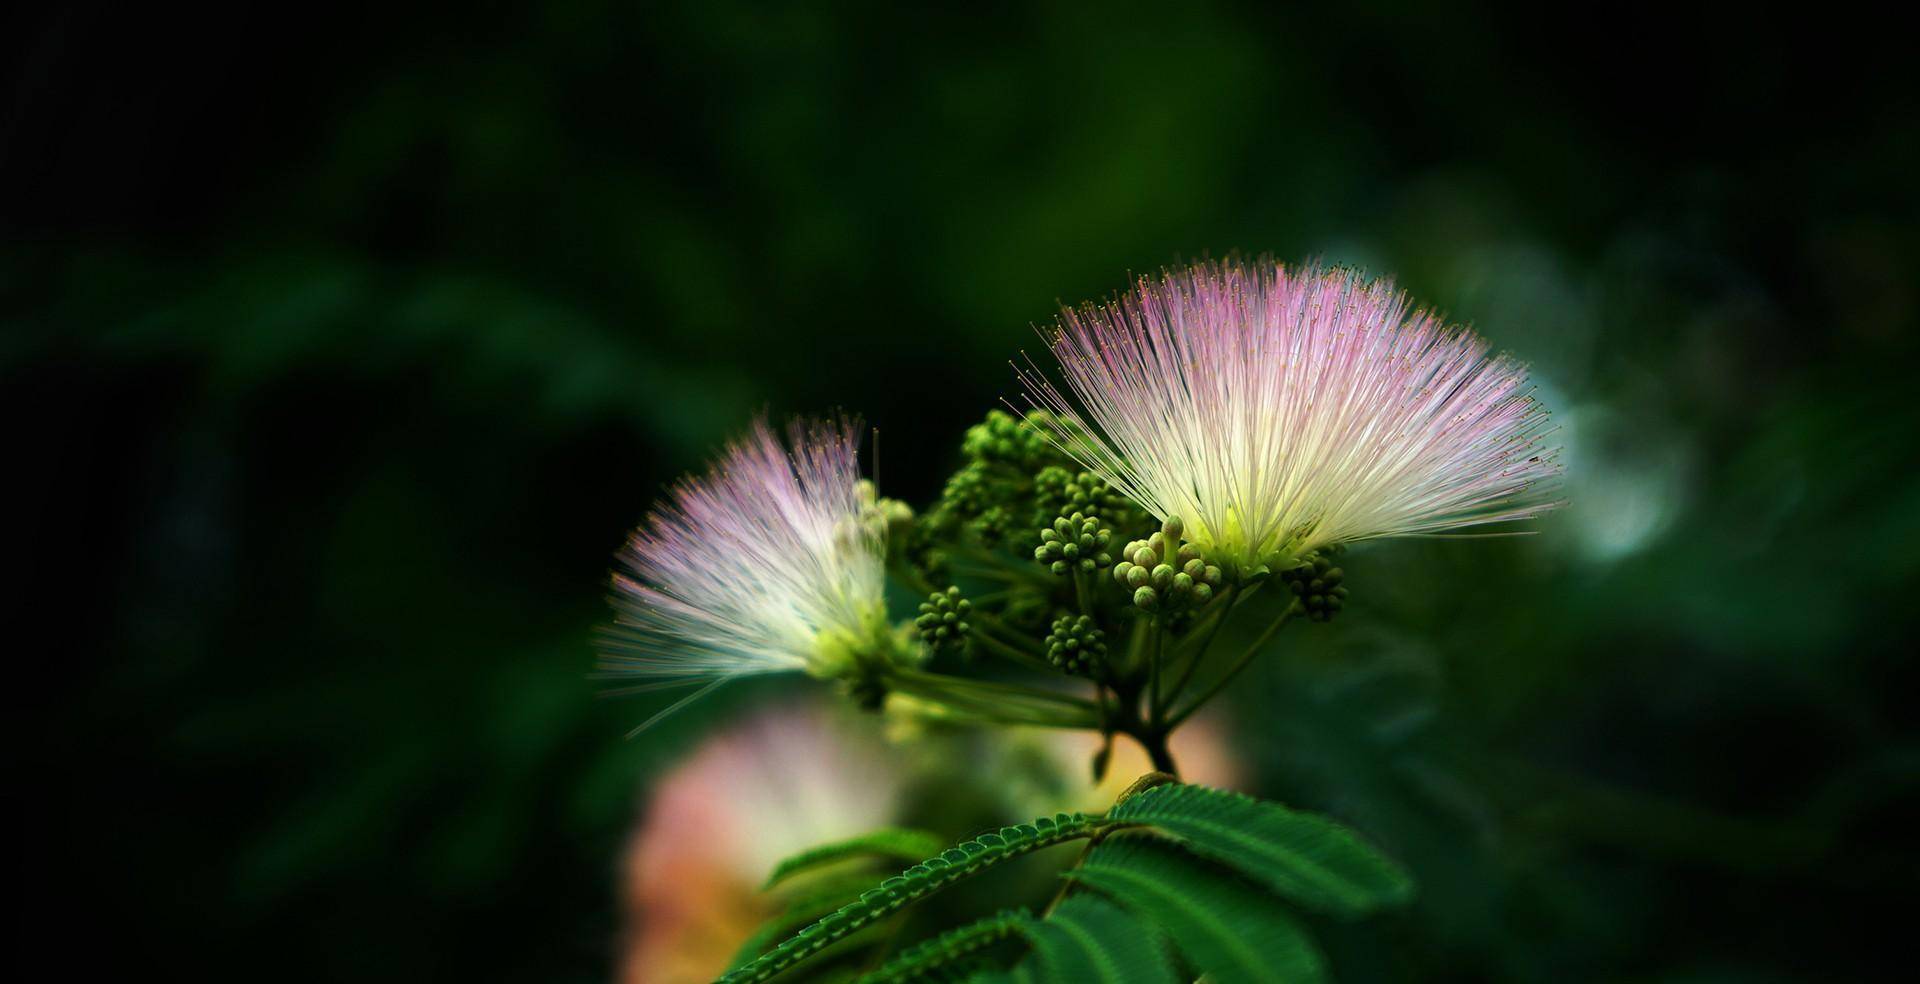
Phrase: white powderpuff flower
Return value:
(1274, 411)
(787, 777)
(773, 560)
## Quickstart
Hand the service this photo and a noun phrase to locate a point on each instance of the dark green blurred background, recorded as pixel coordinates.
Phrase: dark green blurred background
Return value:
(341, 346)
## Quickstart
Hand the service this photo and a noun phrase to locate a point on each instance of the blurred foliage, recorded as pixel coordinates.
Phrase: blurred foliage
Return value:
(338, 355)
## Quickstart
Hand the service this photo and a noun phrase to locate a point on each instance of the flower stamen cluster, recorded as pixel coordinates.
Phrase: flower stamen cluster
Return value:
(773, 560)
(1277, 410)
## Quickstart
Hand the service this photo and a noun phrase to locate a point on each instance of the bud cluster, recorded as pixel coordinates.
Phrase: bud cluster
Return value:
(1061, 491)
(1073, 543)
(1167, 577)
(976, 497)
(1317, 583)
(1076, 646)
(1002, 439)
(943, 619)
(884, 517)
(994, 492)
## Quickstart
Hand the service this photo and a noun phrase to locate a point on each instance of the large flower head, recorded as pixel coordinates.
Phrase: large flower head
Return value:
(1276, 410)
(773, 560)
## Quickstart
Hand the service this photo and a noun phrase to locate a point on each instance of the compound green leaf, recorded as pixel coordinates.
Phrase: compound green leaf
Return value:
(950, 947)
(1088, 940)
(912, 885)
(888, 843)
(1226, 928)
(1306, 858)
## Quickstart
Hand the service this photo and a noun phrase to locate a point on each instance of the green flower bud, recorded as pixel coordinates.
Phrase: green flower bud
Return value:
(980, 500)
(942, 622)
(1061, 491)
(1077, 646)
(890, 517)
(1002, 439)
(1318, 585)
(1074, 543)
(1167, 577)
(992, 525)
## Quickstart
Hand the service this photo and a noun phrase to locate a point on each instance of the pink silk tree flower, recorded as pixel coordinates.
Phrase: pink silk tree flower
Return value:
(773, 560)
(1275, 410)
(787, 777)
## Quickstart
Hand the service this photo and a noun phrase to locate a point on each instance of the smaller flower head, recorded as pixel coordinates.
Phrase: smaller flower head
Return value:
(773, 560)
